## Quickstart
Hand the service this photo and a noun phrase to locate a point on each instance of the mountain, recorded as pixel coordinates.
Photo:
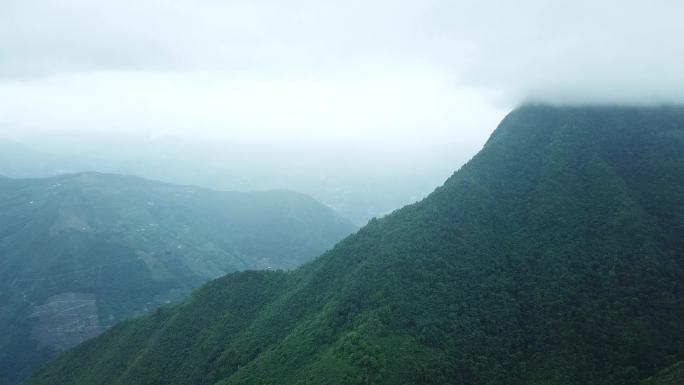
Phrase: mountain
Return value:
(359, 180)
(80, 252)
(555, 256)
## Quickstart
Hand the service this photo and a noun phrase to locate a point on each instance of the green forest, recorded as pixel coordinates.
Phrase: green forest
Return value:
(555, 256)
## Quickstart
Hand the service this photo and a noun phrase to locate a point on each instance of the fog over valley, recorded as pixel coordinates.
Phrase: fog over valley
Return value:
(302, 192)
(365, 105)
(358, 179)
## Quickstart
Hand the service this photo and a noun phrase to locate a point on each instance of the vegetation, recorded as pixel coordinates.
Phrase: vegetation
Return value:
(673, 375)
(131, 245)
(553, 257)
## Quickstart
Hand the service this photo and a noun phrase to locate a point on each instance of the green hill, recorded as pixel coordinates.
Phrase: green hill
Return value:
(80, 252)
(553, 257)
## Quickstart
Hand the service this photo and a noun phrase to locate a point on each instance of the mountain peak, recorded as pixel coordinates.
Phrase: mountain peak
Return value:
(553, 256)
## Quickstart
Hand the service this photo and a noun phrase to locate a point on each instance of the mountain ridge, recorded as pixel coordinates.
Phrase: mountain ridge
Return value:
(553, 256)
(81, 251)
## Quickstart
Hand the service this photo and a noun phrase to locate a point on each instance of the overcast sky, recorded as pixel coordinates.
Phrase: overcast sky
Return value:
(428, 71)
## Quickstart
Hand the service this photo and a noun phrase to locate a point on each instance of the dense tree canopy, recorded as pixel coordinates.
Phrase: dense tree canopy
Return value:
(553, 257)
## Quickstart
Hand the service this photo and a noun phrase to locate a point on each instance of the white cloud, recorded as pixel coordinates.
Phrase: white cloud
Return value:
(410, 70)
(608, 51)
(398, 107)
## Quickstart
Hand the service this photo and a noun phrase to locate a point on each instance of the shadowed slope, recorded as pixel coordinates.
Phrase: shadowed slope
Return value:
(80, 252)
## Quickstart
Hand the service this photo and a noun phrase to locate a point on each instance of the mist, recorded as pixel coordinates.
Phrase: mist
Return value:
(357, 179)
(341, 192)
(365, 105)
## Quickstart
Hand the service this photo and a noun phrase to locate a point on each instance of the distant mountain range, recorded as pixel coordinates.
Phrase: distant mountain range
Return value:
(555, 256)
(357, 180)
(79, 252)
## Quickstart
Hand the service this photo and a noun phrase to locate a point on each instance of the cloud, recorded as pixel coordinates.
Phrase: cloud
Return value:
(43, 37)
(396, 107)
(577, 51)
(416, 70)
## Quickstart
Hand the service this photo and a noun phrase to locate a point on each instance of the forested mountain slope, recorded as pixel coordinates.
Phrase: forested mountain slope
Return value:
(553, 257)
(673, 375)
(79, 252)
